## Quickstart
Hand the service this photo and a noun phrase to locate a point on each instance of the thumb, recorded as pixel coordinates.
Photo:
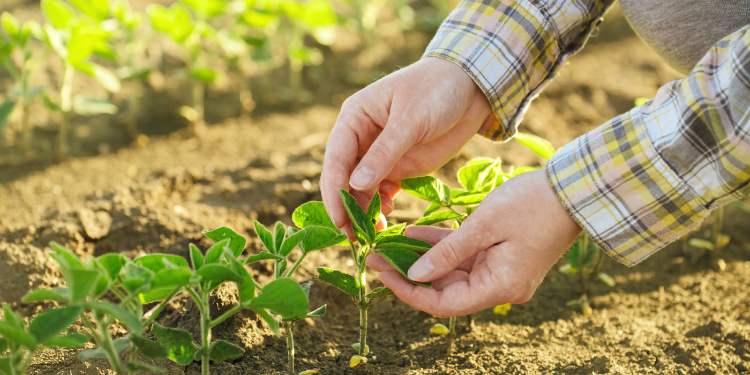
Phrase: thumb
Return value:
(391, 144)
(452, 251)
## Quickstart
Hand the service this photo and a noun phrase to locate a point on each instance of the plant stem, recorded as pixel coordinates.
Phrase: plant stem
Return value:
(134, 108)
(598, 265)
(363, 305)
(582, 263)
(205, 333)
(25, 75)
(289, 345)
(66, 104)
(718, 223)
(451, 333)
(296, 265)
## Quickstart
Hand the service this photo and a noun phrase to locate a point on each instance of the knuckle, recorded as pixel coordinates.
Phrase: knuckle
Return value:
(449, 254)
(380, 151)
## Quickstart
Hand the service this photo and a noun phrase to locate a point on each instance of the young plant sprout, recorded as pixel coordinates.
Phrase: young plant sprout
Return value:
(19, 40)
(134, 283)
(190, 33)
(585, 258)
(44, 330)
(219, 265)
(76, 38)
(398, 250)
(718, 240)
(279, 246)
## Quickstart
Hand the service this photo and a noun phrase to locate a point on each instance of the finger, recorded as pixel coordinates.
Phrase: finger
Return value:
(379, 264)
(451, 278)
(426, 233)
(386, 204)
(478, 233)
(383, 154)
(382, 223)
(340, 157)
(390, 188)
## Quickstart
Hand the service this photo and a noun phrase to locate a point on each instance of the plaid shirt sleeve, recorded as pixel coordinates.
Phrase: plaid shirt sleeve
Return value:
(643, 179)
(513, 48)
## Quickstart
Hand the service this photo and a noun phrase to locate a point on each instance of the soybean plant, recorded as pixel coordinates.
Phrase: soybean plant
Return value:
(219, 265)
(134, 283)
(19, 40)
(21, 341)
(74, 39)
(279, 246)
(398, 250)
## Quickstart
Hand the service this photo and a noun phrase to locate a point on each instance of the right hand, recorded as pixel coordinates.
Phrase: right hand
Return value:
(407, 124)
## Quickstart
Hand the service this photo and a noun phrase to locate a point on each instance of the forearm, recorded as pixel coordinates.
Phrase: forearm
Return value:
(513, 48)
(643, 179)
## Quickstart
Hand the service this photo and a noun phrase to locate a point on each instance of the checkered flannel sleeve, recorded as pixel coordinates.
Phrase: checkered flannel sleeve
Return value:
(643, 179)
(513, 48)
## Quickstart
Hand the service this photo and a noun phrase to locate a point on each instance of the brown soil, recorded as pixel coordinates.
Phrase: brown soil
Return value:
(669, 315)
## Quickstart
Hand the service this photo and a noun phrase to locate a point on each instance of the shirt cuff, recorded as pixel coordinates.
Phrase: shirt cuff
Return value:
(511, 49)
(614, 183)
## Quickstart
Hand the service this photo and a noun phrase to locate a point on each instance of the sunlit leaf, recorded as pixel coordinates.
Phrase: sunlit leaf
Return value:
(236, 242)
(283, 296)
(361, 223)
(440, 216)
(403, 242)
(312, 214)
(538, 145)
(340, 280)
(400, 259)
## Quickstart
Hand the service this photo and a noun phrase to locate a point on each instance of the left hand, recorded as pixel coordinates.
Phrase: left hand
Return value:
(499, 255)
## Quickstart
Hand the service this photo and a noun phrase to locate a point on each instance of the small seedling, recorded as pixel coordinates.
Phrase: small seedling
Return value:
(75, 39)
(219, 265)
(279, 246)
(19, 40)
(398, 250)
(21, 341)
(134, 283)
(585, 259)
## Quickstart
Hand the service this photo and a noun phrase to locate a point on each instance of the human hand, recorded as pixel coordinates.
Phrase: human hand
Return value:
(407, 124)
(499, 255)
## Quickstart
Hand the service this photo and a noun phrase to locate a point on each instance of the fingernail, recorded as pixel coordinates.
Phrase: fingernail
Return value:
(362, 178)
(422, 269)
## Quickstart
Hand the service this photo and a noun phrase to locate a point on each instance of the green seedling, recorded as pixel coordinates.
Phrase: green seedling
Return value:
(279, 245)
(19, 40)
(132, 282)
(400, 251)
(220, 264)
(75, 38)
(718, 240)
(316, 18)
(21, 341)
(585, 259)
(188, 27)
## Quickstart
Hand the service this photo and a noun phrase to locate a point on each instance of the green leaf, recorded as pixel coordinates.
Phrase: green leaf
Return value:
(119, 345)
(402, 242)
(16, 335)
(279, 233)
(392, 230)
(428, 188)
(317, 238)
(155, 262)
(400, 259)
(701, 244)
(120, 313)
(347, 283)
(134, 277)
(155, 294)
(172, 278)
(214, 253)
(440, 216)
(318, 13)
(11, 24)
(246, 287)
(175, 21)
(466, 198)
(89, 107)
(742, 206)
(3, 345)
(539, 145)
(204, 74)
(73, 260)
(379, 292)
(320, 311)
(106, 78)
(265, 237)
(50, 323)
(206, 8)
(217, 272)
(361, 223)
(196, 258)
(96, 9)
(236, 242)
(82, 284)
(574, 255)
(606, 279)
(57, 294)
(222, 350)
(73, 340)
(291, 242)
(263, 255)
(431, 208)
(57, 13)
(475, 175)
(178, 342)
(312, 214)
(568, 269)
(269, 319)
(111, 265)
(150, 349)
(283, 296)
(373, 211)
